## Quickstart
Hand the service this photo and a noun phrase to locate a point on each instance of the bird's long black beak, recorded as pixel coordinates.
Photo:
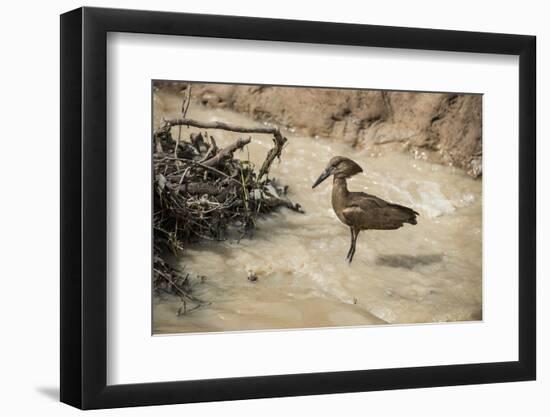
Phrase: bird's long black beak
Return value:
(326, 173)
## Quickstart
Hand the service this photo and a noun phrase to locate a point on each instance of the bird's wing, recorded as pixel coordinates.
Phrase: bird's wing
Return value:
(354, 215)
(366, 211)
(362, 209)
(366, 201)
(385, 218)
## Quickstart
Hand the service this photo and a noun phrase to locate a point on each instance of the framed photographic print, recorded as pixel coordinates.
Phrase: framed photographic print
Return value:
(256, 208)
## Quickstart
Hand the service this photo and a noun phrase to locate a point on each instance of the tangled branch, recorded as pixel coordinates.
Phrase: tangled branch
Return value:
(204, 192)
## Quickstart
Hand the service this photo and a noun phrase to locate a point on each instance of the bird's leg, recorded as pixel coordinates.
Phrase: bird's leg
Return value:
(352, 249)
(351, 243)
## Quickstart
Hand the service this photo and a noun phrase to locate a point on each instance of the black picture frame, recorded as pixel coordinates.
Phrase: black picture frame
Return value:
(84, 207)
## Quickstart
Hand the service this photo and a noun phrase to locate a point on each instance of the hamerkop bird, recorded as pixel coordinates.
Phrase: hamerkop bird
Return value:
(361, 211)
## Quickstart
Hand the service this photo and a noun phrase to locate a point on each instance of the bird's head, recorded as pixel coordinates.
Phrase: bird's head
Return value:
(340, 167)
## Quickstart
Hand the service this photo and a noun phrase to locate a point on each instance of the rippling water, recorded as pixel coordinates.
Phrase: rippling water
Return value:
(430, 272)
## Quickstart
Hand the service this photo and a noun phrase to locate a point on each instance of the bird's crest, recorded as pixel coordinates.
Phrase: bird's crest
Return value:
(344, 166)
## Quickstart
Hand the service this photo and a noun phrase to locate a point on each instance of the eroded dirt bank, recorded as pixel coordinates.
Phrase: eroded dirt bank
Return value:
(438, 127)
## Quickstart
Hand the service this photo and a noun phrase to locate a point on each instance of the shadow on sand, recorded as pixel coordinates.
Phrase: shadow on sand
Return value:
(408, 261)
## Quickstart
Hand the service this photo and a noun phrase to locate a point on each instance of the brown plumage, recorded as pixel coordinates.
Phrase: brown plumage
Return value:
(361, 211)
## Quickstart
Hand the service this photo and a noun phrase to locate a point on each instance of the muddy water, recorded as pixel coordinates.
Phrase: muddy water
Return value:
(430, 272)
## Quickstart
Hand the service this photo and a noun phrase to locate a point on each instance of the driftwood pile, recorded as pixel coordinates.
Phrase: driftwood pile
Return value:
(202, 191)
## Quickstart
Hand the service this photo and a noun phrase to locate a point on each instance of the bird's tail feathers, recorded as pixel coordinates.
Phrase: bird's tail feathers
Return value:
(408, 213)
